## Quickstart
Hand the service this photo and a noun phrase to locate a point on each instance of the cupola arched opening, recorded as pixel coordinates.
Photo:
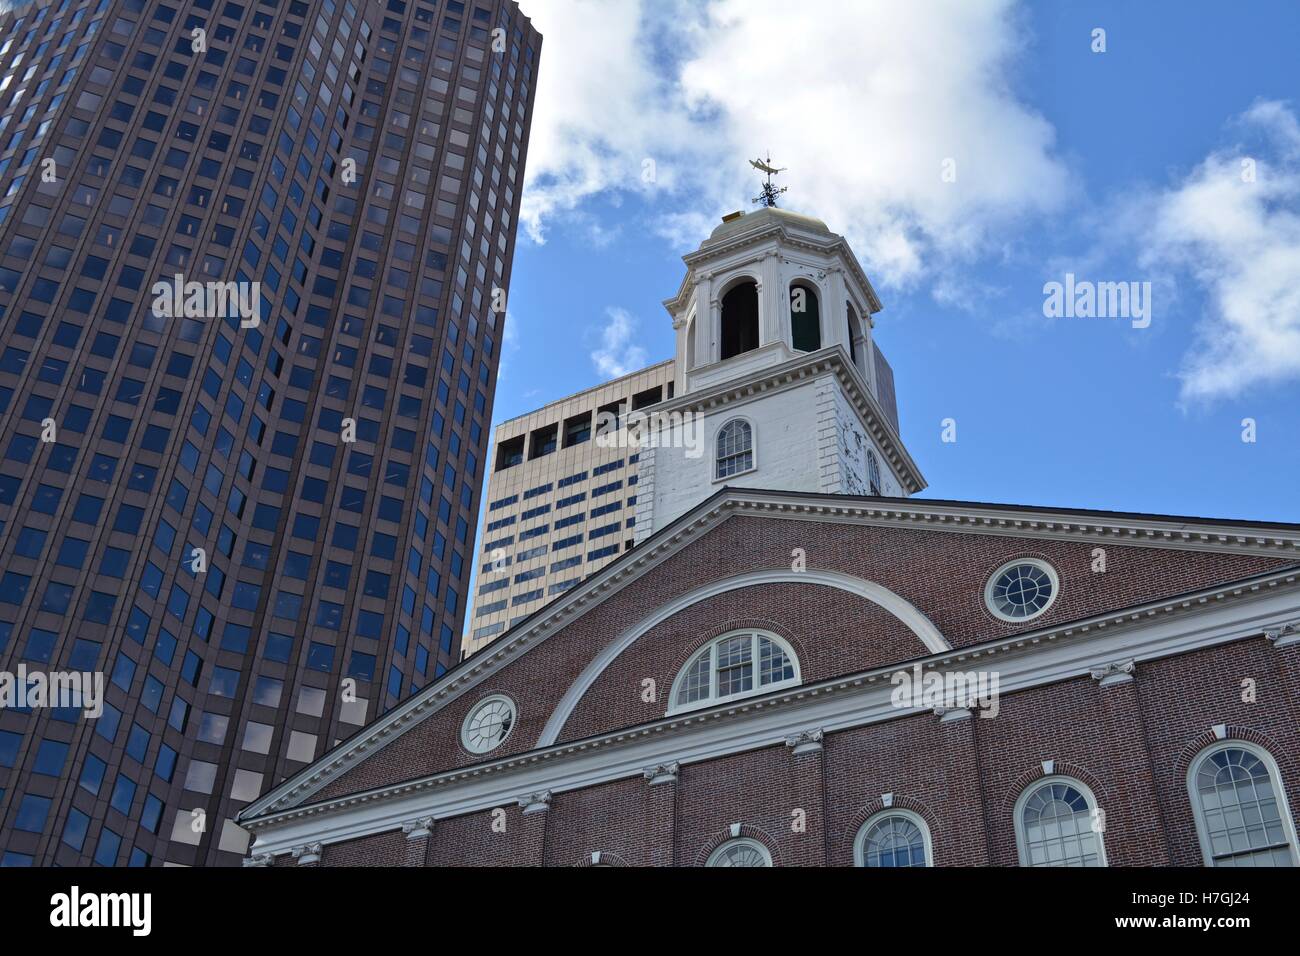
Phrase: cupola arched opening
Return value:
(853, 332)
(740, 320)
(805, 317)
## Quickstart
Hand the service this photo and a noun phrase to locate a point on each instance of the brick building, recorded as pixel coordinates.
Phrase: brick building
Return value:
(798, 665)
(1125, 686)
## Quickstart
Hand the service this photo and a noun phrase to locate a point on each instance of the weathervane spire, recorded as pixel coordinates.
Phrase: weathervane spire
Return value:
(767, 197)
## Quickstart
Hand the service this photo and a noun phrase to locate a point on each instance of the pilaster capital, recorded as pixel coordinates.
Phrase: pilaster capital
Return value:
(535, 802)
(662, 773)
(1285, 635)
(1116, 672)
(805, 742)
(948, 715)
(419, 828)
(307, 854)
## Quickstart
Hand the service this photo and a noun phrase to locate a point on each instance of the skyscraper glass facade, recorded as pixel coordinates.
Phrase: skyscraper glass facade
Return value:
(251, 256)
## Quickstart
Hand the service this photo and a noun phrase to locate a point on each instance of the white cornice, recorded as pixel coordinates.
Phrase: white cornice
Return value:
(791, 238)
(1176, 534)
(1161, 629)
(1015, 521)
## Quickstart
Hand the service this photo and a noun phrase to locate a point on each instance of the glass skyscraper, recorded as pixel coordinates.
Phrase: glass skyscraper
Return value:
(252, 262)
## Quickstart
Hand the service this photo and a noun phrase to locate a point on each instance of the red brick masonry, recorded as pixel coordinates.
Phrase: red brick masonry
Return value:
(1130, 742)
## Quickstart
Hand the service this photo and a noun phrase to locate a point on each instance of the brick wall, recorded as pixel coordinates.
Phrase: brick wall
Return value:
(830, 630)
(1131, 743)
(943, 574)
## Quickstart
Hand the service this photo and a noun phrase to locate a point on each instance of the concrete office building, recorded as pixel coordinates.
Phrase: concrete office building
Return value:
(562, 498)
(256, 521)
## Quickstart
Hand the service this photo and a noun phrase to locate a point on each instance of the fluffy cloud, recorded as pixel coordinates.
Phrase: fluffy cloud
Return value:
(864, 103)
(1240, 241)
(604, 105)
(618, 354)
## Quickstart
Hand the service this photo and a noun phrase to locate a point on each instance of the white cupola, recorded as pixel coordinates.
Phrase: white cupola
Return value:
(777, 369)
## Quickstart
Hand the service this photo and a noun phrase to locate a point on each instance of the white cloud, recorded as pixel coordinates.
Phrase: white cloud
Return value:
(863, 102)
(1240, 241)
(618, 355)
(603, 107)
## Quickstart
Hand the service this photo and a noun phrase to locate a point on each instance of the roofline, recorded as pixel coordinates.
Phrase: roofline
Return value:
(1039, 509)
(584, 391)
(953, 516)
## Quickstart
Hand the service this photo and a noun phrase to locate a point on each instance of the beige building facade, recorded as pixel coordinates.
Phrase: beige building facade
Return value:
(562, 497)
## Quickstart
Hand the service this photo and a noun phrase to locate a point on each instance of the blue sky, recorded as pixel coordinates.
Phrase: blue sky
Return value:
(1123, 165)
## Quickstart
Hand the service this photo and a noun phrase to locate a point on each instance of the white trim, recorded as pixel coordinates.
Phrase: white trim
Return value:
(952, 517)
(1037, 563)
(1279, 787)
(915, 621)
(1164, 533)
(859, 841)
(479, 705)
(792, 235)
(753, 449)
(1165, 629)
(1093, 807)
(763, 851)
(756, 691)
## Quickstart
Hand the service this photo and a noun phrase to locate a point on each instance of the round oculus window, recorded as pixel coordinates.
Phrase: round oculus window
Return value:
(1022, 590)
(488, 724)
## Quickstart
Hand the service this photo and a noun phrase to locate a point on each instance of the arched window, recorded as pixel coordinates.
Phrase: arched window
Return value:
(690, 344)
(1241, 813)
(1055, 825)
(805, 318)
(735, 449)
(893, 838)
(740, 320)
(853, 332)
(873, 472)
(741, 852)
(735, 665)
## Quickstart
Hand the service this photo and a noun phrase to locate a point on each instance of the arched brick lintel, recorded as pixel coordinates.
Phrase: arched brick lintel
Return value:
(758, 834)
(906, 612)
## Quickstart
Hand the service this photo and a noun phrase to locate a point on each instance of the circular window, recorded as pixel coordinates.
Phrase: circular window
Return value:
(1021, 590)
(488, 724)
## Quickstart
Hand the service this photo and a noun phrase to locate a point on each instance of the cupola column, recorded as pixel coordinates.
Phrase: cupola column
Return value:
(772, 302)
